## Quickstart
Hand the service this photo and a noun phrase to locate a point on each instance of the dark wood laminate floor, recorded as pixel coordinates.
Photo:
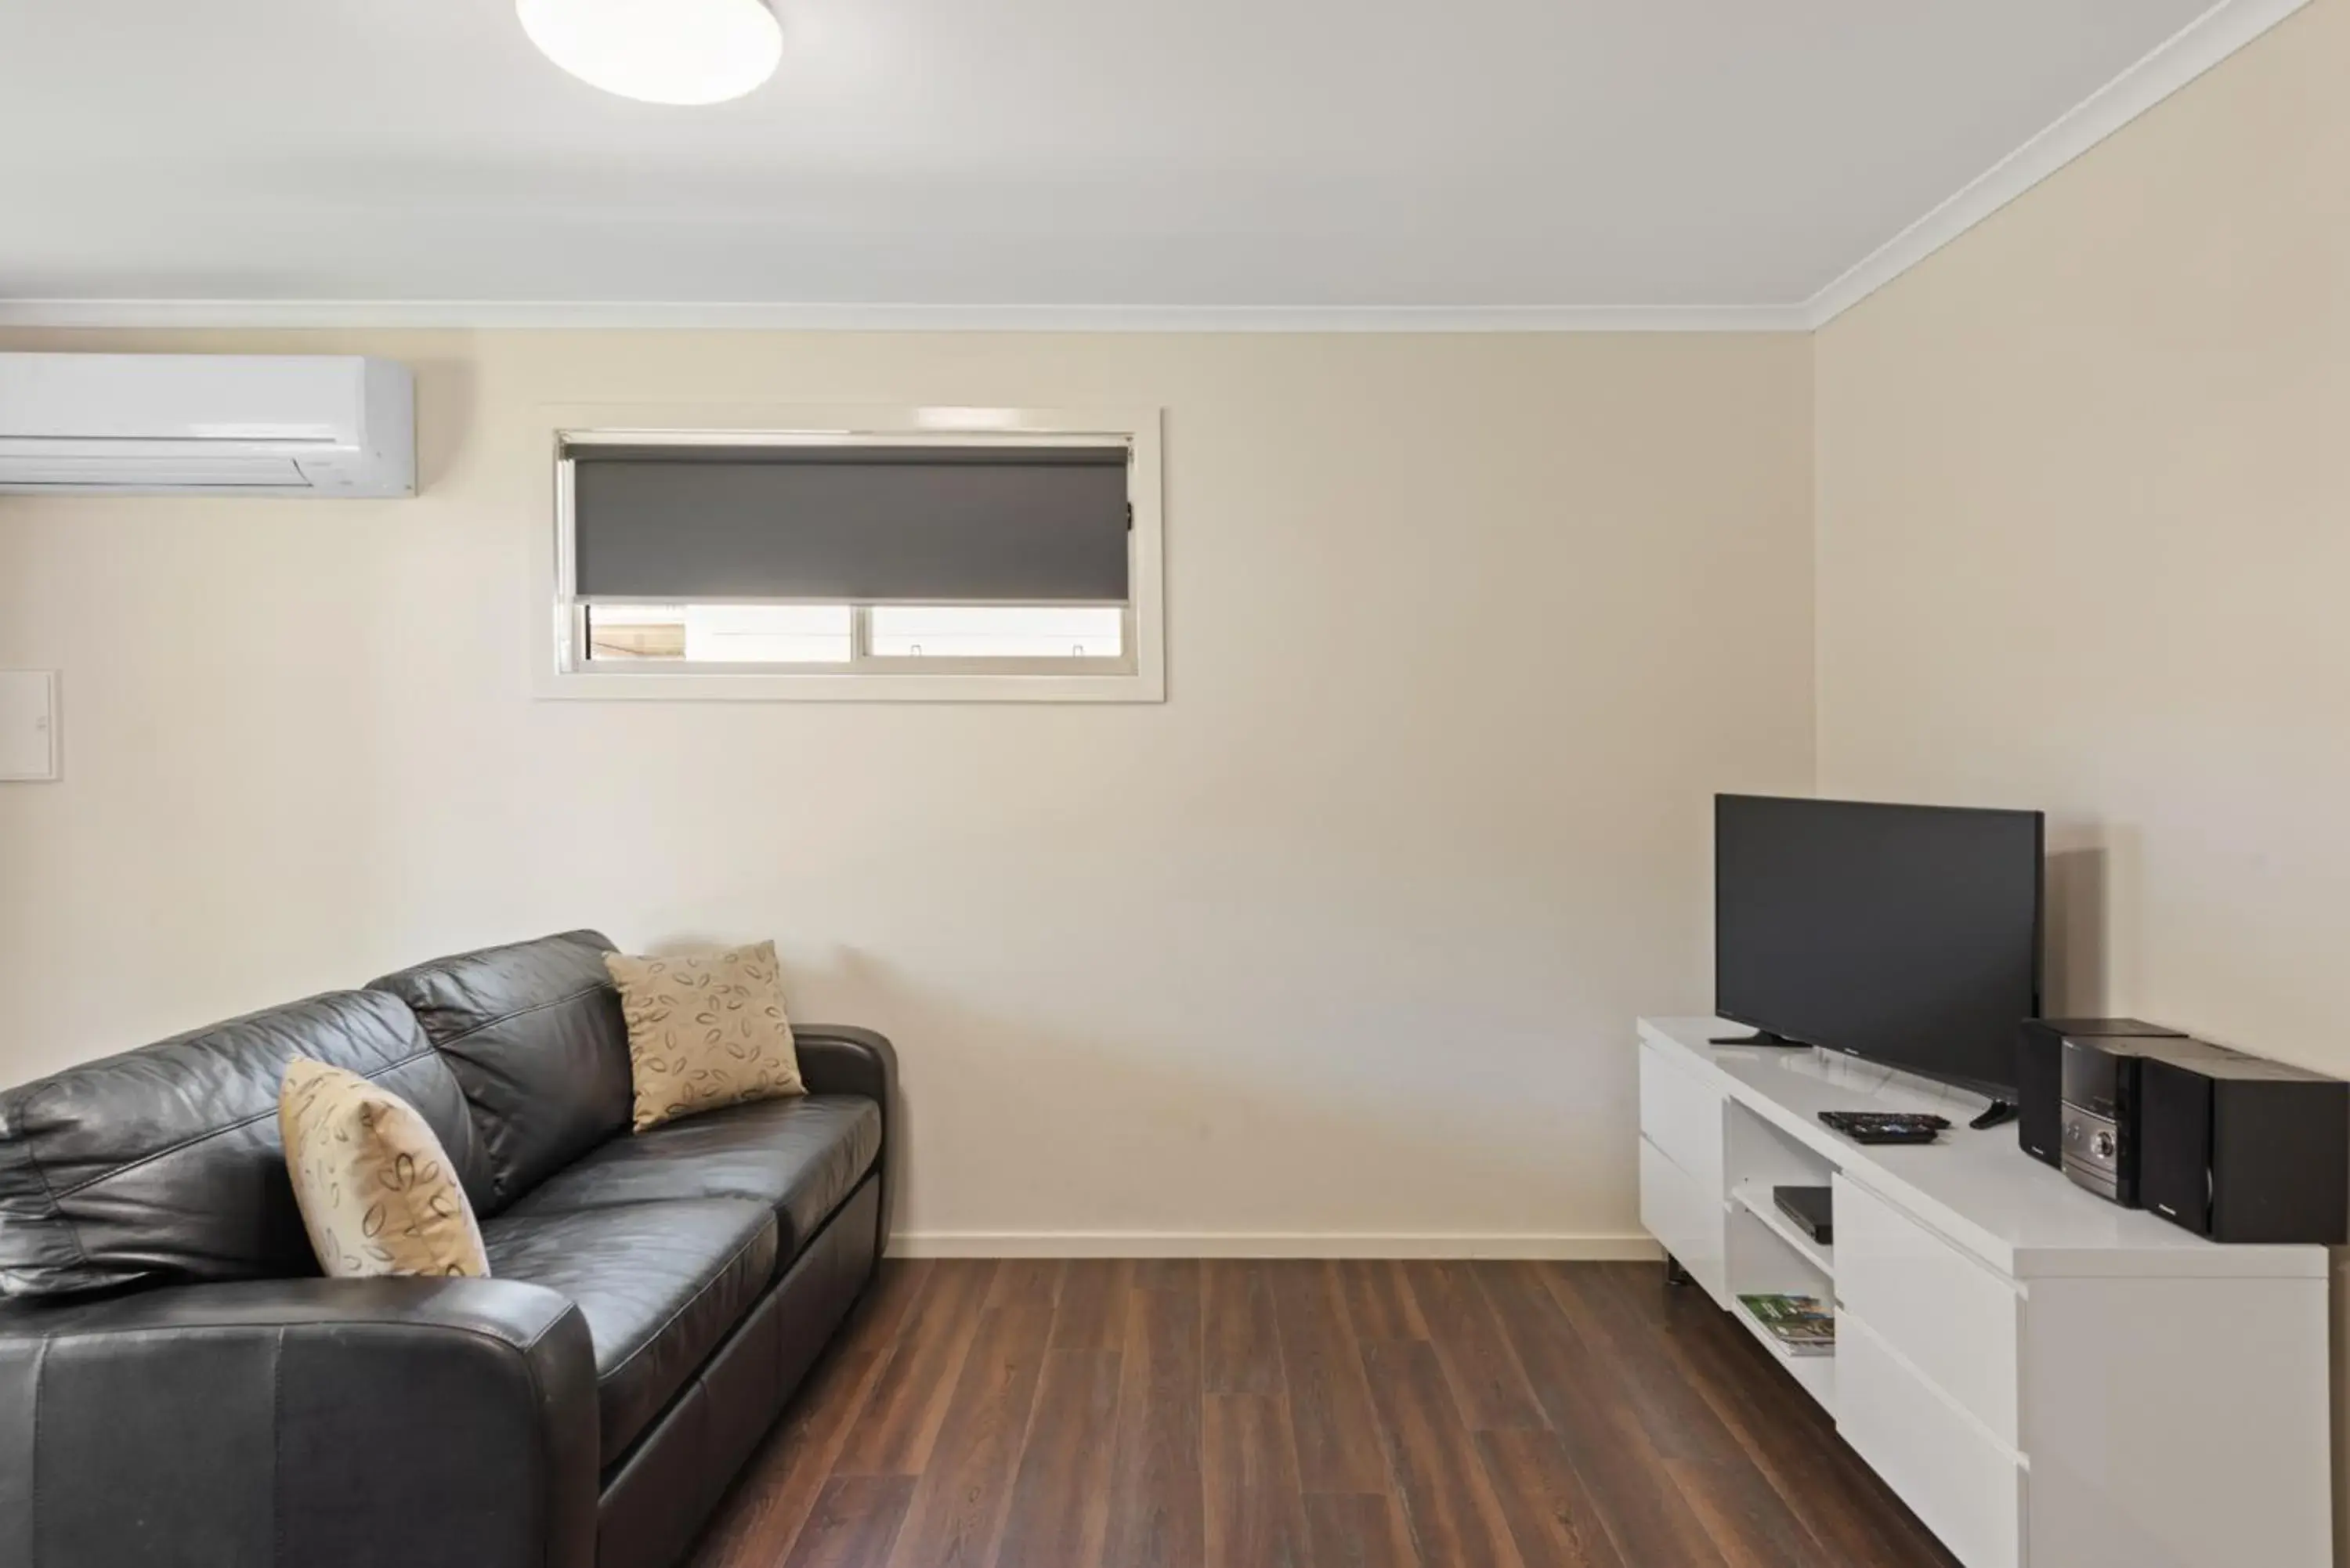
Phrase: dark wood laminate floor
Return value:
(1303, 1415)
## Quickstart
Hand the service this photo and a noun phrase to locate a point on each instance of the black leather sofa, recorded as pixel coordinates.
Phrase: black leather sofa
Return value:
(178, 1386)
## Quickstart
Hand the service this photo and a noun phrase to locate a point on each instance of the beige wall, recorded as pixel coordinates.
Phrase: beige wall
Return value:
(2084, 540)
(1343, 941)
(1344, 938)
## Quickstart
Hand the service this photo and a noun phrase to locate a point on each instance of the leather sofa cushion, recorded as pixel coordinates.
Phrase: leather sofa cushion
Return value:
(661, 1284)
(801, 1158)
(163, 1165)
(655, 1501)
(533, 1031)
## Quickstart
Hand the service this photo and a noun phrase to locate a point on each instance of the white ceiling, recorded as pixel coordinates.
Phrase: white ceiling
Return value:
(1467, 156)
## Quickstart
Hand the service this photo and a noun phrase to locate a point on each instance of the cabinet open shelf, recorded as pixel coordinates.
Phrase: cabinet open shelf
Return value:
(1756, 1198)
(2033, 1371)
(1763, 1250)
(1817, 1374)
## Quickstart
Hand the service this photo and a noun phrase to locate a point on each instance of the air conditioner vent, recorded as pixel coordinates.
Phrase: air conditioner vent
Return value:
(149, 474)
(81, 424)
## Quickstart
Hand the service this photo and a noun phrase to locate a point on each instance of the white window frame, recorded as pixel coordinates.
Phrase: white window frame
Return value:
(1137, 675)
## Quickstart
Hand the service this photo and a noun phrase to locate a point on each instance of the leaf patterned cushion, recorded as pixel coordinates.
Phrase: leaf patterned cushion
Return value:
(706, 1031)
(377, 1194)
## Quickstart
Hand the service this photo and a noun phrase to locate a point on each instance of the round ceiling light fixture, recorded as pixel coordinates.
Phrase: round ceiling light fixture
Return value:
(659, 51)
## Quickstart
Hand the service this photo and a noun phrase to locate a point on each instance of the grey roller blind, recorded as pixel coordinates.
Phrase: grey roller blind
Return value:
(869, 525)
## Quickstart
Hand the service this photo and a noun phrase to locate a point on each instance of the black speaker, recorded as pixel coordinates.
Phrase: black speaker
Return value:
(2176, 1116)
(2039, 1076)
(2241, 1149)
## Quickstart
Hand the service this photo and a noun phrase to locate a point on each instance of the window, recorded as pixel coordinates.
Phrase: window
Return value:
(720, 634)
(997, 631)
(987, 554)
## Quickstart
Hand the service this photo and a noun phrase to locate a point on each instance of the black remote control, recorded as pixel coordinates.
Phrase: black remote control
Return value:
(1886, 1126)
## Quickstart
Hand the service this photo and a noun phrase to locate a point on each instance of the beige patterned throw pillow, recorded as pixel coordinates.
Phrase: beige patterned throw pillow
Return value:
(377, 1194)
(706, 1031)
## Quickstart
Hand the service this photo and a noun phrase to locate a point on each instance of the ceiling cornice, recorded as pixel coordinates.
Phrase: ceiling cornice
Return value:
(2202, 43)
(2178, 60)
(470, 314)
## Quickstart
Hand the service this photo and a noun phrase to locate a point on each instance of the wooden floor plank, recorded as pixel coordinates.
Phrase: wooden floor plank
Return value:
(1790, 1442)
(1679, 1424)
(855, 1519)
(1157, 1509)
(1330, 1413)
(1647, 1517)
(1071, 1426)
(1377, 1301)
(893, 1434)
(1550, 1512)
(1241, 1342)
(1479, 1365)
(1749, 1523)
(1167, 1274)
(1454, 1516)
(957, 1511)
(881, 1313)
(1060, 1502)
(1095, 1293)
(772, 1498)
(1027, 1282)
(1256, 1513)
(1358, 1531)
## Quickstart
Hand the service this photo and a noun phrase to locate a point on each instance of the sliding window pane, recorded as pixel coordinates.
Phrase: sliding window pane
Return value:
(720, 634)
(767, 634)
(997, 631)
(636, 631)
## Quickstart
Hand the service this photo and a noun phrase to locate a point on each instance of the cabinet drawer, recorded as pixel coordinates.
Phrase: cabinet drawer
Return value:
(1948, 1315)
(1684, 1216)
(1965, 1486)
(1682, 1116)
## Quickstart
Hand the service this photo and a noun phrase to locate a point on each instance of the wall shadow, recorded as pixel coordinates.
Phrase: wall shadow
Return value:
(2076, 982)
(446, 397)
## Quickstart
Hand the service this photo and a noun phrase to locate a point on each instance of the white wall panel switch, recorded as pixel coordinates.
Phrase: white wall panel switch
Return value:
(28, 724)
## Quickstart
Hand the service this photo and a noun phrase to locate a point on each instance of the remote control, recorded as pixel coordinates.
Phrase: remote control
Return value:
(1886, 1126)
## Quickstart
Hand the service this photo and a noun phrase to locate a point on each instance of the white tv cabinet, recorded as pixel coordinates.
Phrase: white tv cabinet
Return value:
(2047, 1380)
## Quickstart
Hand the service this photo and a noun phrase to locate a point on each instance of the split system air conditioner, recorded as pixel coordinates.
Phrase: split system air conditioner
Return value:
(205, 425)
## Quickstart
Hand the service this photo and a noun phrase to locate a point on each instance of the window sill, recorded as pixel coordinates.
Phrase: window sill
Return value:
(712, 686)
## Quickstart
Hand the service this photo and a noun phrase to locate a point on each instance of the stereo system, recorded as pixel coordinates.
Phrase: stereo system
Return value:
(2226, 1145)
(2039, 1076)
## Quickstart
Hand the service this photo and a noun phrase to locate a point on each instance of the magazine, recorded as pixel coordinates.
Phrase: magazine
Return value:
(1801, 1324)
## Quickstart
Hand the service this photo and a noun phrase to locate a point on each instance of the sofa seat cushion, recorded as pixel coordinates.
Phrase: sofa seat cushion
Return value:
(661, 1284)
(802, 1157)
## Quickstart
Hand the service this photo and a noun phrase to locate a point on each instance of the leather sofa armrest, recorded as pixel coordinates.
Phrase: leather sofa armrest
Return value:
(396, 1423)
(840, 1059)
(836, 1059)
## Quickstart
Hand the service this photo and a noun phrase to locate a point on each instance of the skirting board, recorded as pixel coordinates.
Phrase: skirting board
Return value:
(1602, 1247)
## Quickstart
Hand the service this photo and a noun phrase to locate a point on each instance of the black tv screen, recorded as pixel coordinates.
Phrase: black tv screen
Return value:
(1907, 934)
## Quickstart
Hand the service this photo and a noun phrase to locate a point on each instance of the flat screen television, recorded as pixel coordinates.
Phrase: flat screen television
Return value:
(1906, 934)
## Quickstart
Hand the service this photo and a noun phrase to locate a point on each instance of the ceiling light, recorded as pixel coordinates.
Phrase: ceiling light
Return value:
(659, 51)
